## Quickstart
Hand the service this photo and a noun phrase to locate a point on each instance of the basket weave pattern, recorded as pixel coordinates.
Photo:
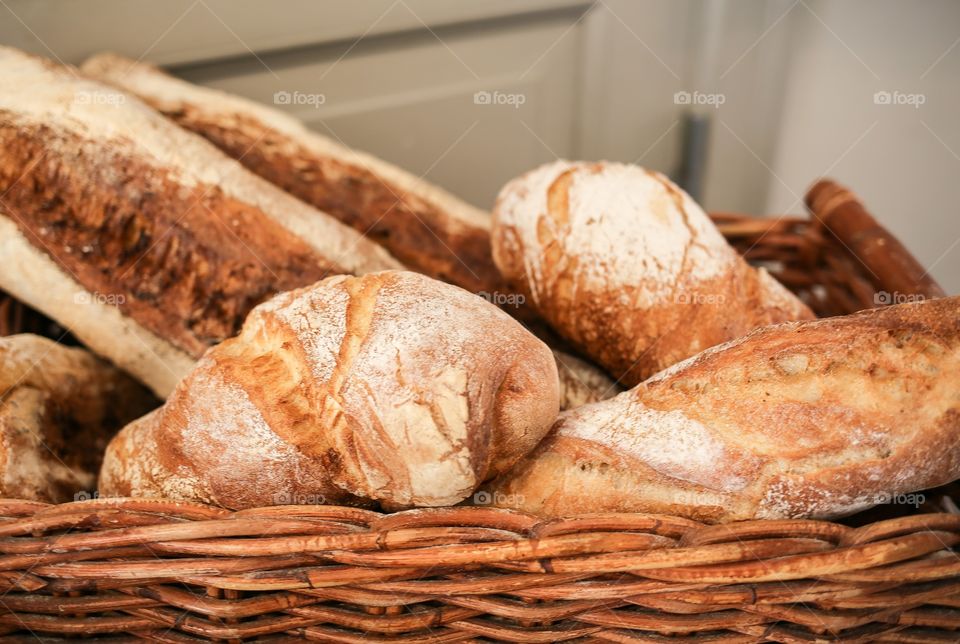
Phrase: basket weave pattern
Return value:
(171, 571)
(176, 572)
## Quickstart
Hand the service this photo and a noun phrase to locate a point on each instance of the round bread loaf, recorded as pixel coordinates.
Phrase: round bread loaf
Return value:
(627, 267)
(391, 387)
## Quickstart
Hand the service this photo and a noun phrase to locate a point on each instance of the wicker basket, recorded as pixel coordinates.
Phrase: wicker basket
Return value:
(176, 572)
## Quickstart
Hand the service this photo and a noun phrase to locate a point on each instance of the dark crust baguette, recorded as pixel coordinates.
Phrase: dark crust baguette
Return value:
(426, 228)
(178, 238)
(803, 419)
(160, 248)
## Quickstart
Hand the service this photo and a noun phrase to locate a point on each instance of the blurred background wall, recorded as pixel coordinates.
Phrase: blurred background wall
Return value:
(470, 94)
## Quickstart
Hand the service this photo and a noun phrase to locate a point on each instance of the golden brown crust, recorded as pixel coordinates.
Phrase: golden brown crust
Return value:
(392, 387)
(417, 232)
(627, 267)
(33, 277)
(160, 250)
(59, 407)
(816, 419)
(163, 242)
(427, 230)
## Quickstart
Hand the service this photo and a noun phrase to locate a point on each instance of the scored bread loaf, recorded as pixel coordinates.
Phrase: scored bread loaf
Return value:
(426, 228)
(143, 239)
(581, 382)
(627, 267)
(803, 419)
(59, 407)
(391, 387)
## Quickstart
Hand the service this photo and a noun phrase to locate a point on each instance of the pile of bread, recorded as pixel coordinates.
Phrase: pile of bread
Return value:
(323, 328)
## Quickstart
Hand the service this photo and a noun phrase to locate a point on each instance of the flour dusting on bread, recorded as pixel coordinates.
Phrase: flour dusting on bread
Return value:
(627, 267)
(670, 442)
(622, 223)
(34, 91)
(389, 387)
(817, 419)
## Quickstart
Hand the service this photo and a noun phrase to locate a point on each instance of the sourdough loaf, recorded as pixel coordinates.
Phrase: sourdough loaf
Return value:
(391, 387)
(59, 407)
(804, 419)
(426, 228)
(627, 267)
(144, 239)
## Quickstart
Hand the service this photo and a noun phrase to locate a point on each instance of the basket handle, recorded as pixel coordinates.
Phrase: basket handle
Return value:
(891, 266)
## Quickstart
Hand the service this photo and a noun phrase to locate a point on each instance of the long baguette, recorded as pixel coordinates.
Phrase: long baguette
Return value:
(803, 419)
(140, 217)
(427, 228)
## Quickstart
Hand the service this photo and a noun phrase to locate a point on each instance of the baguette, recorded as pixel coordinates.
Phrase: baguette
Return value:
(143, 239)
(813, 419)
(426, 228)
(59, 407)
(624, 265)
(391, 387)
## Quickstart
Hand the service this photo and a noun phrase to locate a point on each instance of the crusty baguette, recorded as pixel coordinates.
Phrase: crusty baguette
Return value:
(31, 275)
(627, 267)
(142, 216)
(803, 419)
(59, 407)
(581, 382)
(391, 387)
(425, 227)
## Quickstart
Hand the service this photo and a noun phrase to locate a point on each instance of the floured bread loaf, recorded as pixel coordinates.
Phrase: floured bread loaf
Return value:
(627, 267)
(581, 382)
(144, 239)
(803, 419)
(426, 228)
(392, 386)
(59, 408)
